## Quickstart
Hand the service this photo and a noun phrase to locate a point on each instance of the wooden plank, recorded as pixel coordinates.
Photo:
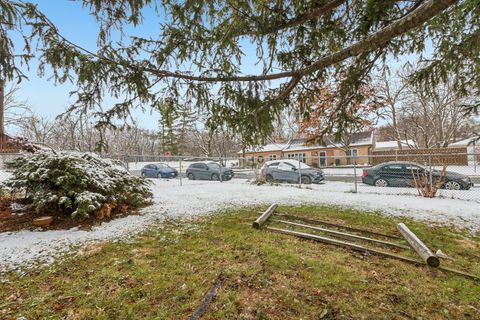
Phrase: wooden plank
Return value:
(264, 217)
(344, 235)
(420, 248)
(329, 224)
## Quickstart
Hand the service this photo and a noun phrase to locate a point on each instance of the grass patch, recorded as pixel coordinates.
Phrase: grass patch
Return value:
(164, 274)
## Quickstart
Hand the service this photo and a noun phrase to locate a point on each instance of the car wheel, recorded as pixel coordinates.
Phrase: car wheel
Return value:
(269, 178)
(214, 177)
(143, 174)
(381, 183)
(190, 176)
(159, 175)
(452, 185)
(306, 180)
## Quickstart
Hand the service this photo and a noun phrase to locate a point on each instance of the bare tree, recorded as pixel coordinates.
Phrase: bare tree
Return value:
(12, 110)
(392, 90)
(430, 119)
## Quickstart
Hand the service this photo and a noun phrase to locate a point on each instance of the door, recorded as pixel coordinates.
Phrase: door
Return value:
(272, 170)
(287, 172)
(202, 171)
(412, 173)
(322, 159)
(150, 170)
(198, 170)
(394, 174)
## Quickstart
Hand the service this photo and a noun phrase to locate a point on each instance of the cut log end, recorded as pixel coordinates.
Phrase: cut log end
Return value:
(433, 261)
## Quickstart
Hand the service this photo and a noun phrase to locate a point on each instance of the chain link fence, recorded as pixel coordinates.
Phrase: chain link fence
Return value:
(455, 175)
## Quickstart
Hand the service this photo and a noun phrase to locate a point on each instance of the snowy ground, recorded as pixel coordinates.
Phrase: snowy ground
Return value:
(203, 197)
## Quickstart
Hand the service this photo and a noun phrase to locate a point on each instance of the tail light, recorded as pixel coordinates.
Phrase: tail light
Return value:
(364, 173)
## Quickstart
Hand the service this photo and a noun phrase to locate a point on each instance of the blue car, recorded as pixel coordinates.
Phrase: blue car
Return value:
(159, 170)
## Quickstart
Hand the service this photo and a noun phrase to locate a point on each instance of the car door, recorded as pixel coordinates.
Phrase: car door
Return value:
(150, 170)
(272, 169)
(287, 172)
(196, 169)
(412, 173)
(203, 171)
(394, 174)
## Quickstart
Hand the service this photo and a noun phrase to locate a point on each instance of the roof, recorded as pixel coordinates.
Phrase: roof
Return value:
(298, 144)
(266, 148)
(393, 144)
(464, 142)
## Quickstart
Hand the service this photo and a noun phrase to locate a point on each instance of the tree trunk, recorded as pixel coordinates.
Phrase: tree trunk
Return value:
(2, 108)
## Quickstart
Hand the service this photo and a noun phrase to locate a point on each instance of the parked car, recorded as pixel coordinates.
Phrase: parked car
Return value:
(288, 171)
(402, 174)
(159, 170)
(208, 170)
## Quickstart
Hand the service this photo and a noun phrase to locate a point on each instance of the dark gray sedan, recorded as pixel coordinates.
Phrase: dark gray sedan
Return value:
(403, 174)
(208, 171)
(289, 171)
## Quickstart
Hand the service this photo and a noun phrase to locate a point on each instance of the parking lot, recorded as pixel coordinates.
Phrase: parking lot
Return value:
(336, 179)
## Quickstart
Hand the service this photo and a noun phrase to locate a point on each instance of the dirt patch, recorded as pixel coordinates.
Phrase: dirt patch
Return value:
(467, 244)
(16, 215)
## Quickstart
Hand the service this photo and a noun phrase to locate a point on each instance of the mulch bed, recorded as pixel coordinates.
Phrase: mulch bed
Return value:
(21, 218)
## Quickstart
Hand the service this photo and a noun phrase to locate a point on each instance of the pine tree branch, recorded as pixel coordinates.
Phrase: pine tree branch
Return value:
(281, 25)
(415, 19)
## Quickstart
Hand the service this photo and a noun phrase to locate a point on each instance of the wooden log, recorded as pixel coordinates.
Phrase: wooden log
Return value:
(339, 243)
(360, 248)
(329, 224)
(211, 294)
(345, 235)
(420, 248)
(265, 215)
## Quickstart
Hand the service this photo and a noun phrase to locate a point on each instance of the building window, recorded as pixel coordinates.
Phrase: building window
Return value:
(272, 157)
(296, 156)
(352, 153)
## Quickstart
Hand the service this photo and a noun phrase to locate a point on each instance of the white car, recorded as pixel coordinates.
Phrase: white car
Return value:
(291, 171)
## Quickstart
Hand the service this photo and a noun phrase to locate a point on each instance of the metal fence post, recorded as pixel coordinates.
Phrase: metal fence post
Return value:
(220, 174)
(180, 171)
(430, 169)
(474, 157)
(299, 172)
(355, 175)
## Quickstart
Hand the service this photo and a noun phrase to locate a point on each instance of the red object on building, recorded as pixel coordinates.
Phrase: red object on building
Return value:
(168, 154)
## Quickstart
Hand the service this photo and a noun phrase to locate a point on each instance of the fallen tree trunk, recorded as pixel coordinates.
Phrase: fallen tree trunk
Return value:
(420, 248)
(264, 217)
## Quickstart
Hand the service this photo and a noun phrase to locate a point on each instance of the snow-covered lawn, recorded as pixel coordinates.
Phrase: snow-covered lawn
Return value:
(196, 198)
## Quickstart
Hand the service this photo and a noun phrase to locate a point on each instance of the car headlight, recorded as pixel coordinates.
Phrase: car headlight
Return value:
(466, 179)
